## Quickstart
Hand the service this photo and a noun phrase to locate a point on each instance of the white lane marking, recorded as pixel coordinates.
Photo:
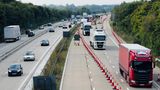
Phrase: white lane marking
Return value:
(113, 66)
(94, 88)
(127, 88)
(116, 72)
(91, 80)
(90, 72)
(31, 73)
(122, 80)
(156, 84)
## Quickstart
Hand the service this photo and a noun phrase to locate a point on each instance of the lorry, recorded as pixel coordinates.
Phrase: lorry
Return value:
(86, 28)
(98, 39)
(136, 64)
(12, 33)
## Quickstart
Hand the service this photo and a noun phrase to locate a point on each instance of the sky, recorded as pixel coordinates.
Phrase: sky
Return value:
(76, 2)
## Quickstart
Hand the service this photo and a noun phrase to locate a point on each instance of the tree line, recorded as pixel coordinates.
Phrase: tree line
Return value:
(141, 21)
(28, 15)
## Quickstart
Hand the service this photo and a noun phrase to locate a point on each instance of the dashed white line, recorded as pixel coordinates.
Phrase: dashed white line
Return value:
(127, 88)
(94, 88)
(116, 72)
(113, 66)
(91, 80)
(122, 80)
(90, 72)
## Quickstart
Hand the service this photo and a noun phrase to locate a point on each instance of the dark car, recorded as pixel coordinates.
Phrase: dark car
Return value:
(44, 43)
(49, 24)
(15, 69)
(51, 30)
(31, 34)
(27, 31)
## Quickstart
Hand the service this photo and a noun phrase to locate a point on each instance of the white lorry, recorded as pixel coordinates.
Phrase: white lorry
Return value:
(87, 28)
(12, 33)
(98, 39)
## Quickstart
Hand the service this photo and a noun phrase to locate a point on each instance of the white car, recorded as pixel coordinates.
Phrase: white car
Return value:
(29, 56)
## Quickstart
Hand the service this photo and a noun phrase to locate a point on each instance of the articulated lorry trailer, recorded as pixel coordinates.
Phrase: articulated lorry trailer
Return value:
(136, 64)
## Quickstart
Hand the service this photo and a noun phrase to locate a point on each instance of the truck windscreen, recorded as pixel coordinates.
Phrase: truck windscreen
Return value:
(100, 38)
(87, 27)
(139, 65)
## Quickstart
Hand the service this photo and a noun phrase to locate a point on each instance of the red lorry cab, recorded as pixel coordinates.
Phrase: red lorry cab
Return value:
(135, 64)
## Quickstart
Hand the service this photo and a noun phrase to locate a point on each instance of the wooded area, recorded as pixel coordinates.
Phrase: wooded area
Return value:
(27, 15)
(139, 21)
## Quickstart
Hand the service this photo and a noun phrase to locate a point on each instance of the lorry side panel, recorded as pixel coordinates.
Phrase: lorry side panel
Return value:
(124, 58)
(12, 32)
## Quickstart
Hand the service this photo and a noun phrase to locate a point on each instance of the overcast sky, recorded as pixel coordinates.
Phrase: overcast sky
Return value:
(76, 2)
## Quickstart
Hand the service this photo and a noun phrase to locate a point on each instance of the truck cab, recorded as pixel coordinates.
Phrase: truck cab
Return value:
(86, 28)
(136, 65)
(98, 39)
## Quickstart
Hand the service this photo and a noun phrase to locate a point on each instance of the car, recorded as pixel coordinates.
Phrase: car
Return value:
(29, 56)
(51, 30)
(60, 26)
(15, 69)
(27, 31)
(49, 24)
(41, 27)
(65, 27)
(44, 43)
(31, 34)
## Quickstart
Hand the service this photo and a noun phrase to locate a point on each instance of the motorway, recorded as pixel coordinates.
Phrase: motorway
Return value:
(82, 73)
(15, 83)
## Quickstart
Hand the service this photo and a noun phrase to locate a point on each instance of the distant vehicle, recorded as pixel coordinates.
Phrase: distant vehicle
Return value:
(51, 30)
(49, 24)
(65, 27)
(15, 69)
(44, 43)
(41, 27)
(27, 31)
(136, 64)
(29, 56)
(86, 28)
(31, 34)
(60, 26)
(98, 39)
(12, 33)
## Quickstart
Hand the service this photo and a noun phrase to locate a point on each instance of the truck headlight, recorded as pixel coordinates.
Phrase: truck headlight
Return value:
(133, 81)
(150, 82)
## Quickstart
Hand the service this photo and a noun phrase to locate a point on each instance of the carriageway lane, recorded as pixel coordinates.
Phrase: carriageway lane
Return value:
(109, 58)
(81, 72)
(13, 83)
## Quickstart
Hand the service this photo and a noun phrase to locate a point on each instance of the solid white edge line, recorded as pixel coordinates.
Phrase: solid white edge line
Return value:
(34, 68)
(156, 84)
(64, 69)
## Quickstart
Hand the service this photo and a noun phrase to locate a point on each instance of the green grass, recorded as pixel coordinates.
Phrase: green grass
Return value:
(127, 38)
(55, 64)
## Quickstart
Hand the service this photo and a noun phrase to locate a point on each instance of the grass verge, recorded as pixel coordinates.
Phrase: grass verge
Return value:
(55, 64)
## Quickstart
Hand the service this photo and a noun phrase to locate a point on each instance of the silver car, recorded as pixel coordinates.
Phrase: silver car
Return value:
(29, 56)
